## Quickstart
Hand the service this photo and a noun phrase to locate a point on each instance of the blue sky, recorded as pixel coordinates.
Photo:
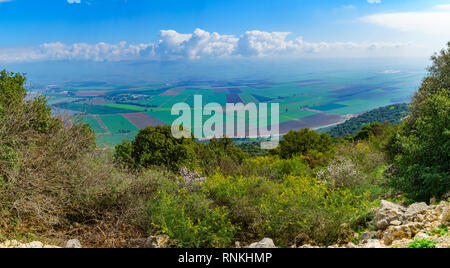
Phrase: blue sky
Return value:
(51, 29)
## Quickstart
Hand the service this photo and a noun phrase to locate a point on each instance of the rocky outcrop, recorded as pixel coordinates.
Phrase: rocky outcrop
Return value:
(398, 226)
(389, 213)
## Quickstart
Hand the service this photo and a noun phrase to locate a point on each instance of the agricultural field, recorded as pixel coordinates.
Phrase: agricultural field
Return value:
(117, 112)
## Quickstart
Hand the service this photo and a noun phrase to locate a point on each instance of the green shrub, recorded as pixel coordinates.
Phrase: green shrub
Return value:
(304, 142)
(220, 155)
(285, 210)
(371, 130)
(155, 146)
(422, 146)
(440, 231)
(272, 167)
(190, 219)
(422, 243)
(123, 154)
(9, 161)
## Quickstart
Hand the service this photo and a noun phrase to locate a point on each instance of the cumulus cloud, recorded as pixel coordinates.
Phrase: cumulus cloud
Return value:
(202, 45)
(74, 1)
(374, 1)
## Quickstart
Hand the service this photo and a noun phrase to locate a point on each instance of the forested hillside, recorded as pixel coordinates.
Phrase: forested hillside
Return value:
(392, 114)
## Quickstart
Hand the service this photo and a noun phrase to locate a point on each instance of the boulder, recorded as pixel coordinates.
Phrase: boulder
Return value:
(387, 213)
(416, 209)
(445, 216)
(73, 243)
(401, 232)
(265, 243)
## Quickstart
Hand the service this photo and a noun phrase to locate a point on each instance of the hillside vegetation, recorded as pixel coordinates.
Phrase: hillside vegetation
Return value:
(55, 184)
(392, 114)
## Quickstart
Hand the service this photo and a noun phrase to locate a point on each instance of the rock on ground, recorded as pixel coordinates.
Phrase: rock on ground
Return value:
(265, 243)
(73, 243)
(160, 241)
(17, 244)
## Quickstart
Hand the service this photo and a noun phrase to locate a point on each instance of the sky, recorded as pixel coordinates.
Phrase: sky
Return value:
(118, 30)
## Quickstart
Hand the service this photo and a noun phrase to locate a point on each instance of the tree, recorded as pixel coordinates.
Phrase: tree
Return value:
(371, 130)
(303, 142)
(421, 148)
(156, 146)
(21, 113)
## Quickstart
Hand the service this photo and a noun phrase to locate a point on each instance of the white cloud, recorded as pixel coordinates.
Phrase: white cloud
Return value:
(374, 1)
(74, 1)
(201, 45)
(443, 7)
(427, 22)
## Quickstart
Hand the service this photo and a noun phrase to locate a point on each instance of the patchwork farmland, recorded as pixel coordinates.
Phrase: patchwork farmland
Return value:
(117, 112)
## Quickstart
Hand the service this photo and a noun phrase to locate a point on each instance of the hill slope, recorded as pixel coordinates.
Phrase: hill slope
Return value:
(392, 114)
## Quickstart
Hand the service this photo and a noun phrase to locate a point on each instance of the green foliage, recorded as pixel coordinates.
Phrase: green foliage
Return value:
(306, 143)
(274, 168)
(286, 209)
(438, 78)
(422, 243)
(220, 155)
(421, 149)
(9, 161)
(392, 114)
(440, 231)
(155, 146)
(123, 154)
(12, 91)
(371, 130)
(253, 149)
(190, 219)
(14, 106)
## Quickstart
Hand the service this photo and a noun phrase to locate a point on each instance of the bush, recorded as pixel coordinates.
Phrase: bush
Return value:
(274, 168)
(307, 143)
(220, 155)
(155, 146)
(285, 210)
(190, 219)
(422, 243)
(371, 130)
(421, 147)
(341, 172)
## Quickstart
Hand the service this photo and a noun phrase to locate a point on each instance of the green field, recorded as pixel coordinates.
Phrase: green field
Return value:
(117, 124)
(91, 121)
(315, 95)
